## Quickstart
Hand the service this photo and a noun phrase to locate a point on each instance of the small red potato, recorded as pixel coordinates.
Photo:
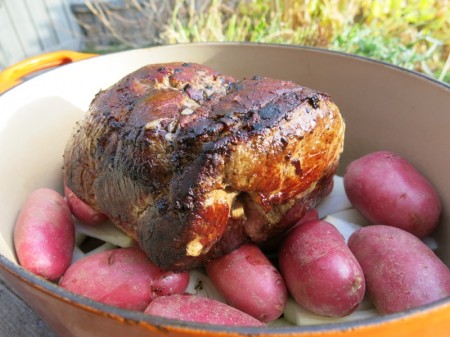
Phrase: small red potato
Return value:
(122, 277)
(388, 190)
(198, 309)
(320, 271)
(83, 211)
(44, 234)
(401, 271)
(249, 282)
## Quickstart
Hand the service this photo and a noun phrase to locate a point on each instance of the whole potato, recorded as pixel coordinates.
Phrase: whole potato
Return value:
(122, 277)
(388, 190)
(198, 309)
(81, 210)
(320, 271)
(44, 234)
(249, 282)
(401, 271)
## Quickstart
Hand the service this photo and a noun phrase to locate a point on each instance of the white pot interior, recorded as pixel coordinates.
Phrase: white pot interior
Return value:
(384, 108)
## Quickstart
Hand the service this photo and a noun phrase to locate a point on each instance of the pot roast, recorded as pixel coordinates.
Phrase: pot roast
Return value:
(192, 163)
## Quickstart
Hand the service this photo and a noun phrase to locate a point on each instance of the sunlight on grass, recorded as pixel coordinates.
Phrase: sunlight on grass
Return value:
(412, 34)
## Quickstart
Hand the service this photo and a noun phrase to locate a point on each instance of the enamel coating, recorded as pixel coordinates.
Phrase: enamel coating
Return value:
(385, 108)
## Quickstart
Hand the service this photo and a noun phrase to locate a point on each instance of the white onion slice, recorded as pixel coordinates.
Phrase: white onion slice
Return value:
(346, 228)
(297, 315)
(201, 285)
(336, 201)
(351, 215)
(77, 254)
(106, 232)
(280, 323)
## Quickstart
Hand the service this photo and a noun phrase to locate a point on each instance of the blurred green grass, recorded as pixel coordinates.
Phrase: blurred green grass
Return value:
(411, 34)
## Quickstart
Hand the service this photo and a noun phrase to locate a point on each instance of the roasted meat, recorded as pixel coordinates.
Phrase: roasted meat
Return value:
(193, 163)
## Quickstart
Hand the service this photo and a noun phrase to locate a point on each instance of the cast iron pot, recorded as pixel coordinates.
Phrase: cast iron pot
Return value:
(385, 108)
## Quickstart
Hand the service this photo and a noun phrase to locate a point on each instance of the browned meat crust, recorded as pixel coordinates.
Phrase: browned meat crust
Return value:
(192, 163)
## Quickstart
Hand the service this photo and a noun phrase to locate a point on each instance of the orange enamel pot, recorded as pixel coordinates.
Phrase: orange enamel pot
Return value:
(385, 108)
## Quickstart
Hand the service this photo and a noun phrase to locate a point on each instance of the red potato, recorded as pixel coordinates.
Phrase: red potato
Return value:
(44, 234)
(198, 309)
(401, 271)
(320, 271)
(83, 211)
(388, 190)
(249, 282)
(122, 277)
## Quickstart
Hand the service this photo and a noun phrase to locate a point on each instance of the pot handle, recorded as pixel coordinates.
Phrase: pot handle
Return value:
(14, 74)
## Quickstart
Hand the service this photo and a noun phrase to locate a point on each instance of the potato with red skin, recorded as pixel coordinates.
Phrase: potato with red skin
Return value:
(44, 234)
(320, 271)
(83, 211)
(401, 271)
(387, 190)
(249, 282)
(198, 309)
(122, 277)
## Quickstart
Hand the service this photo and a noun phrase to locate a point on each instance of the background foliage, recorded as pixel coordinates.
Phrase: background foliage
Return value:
(414, 34)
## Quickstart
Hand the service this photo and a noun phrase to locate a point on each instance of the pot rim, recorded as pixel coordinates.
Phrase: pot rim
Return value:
(265, 44)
